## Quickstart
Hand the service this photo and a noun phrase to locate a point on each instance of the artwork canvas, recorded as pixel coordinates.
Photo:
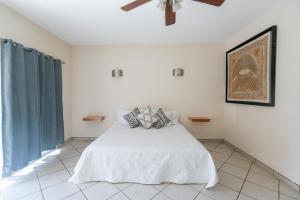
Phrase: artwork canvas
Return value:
(250, 70)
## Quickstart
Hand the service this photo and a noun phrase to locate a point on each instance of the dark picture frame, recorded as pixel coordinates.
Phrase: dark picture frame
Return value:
(242, 84)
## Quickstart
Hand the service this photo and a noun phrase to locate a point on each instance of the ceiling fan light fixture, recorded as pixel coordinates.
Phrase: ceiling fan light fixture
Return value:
(169, 7)
(176, 1)
(176, 6)
(162, 5)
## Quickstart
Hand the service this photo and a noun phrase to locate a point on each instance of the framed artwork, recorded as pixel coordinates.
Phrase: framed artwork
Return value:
(251, 70)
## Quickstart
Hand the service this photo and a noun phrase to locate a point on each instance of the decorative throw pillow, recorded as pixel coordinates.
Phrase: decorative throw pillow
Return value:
(147, 118)
(131, 118)
(162, 119)
(173, 116)
(120, 112)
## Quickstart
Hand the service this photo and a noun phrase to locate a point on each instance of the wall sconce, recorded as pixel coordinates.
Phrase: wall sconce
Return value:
(178, 72)
(117, 73)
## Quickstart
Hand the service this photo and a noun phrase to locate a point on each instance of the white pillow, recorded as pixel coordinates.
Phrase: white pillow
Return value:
(173, 116)
(120, 113)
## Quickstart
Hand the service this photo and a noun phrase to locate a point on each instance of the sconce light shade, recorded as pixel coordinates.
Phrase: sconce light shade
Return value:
(117, 73)
(178, 72)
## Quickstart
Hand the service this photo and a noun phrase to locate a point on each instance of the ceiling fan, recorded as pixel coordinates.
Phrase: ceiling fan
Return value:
(169, 6)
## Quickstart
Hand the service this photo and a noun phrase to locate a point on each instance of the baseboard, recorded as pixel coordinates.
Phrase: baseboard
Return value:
(266, 167)
(275, 173)
(210, 140)
(84, 138)
(68, 140)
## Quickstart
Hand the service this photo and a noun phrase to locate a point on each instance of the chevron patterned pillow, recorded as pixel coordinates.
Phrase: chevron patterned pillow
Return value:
(131, 118)
(147, 118)
(162, 119)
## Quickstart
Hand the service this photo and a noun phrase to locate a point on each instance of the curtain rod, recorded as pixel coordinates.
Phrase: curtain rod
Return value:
(30, 49)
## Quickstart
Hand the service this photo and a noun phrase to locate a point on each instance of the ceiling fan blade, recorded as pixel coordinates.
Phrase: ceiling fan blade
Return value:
(134, 4)
(170, 15)
(212, 2)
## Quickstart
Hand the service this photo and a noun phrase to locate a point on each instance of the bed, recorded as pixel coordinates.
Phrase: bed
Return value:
(146, 156)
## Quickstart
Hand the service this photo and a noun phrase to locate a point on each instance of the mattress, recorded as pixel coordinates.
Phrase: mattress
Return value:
(146, 156)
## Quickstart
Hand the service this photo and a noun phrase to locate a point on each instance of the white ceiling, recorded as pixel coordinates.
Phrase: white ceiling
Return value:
(102, 22)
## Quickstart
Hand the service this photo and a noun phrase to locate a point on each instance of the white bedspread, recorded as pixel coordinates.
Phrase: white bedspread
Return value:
(153, 156)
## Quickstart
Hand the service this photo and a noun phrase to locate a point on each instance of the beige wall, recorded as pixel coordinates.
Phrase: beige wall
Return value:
(16, 27)
(148, 80)
(269, 134)
(272, 134)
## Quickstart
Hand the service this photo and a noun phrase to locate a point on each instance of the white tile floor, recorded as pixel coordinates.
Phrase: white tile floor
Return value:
(240, 179)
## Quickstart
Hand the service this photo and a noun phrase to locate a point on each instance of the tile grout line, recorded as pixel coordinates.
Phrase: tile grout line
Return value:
(164, 188)
(225, 161)
(199, 192)
(257, 184)
(121, 190)
(41, 189)
(234, 158)
(70, 176)
(125, 195)
(232, 175)
(220, 143)
(53, 184)
(209, 196)
(74, 147)
(264, 187)
(39, 182)
(157, 193)
(49, 186)
(219, 167)
(276, 174)
(216, 146)
(67, 158)
(245, 180)
(278, 189)
(168, 196)
(69, 142)
(161, 191)
(232, 165)
(125, 187)
(49, 173)
(25, 196)
(113, 195)
(287, 195)
(234, 151)
(32, 192)
(251, 172)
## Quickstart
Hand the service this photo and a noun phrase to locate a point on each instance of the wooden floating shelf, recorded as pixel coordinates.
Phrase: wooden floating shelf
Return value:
(93, 118)
(199, 119)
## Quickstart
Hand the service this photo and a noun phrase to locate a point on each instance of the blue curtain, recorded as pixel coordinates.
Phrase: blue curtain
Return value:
(58, 103)
(32, 117)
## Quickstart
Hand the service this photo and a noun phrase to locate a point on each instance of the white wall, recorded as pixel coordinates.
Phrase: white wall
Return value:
(16, 27)
(148, 80)
(272, 135)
